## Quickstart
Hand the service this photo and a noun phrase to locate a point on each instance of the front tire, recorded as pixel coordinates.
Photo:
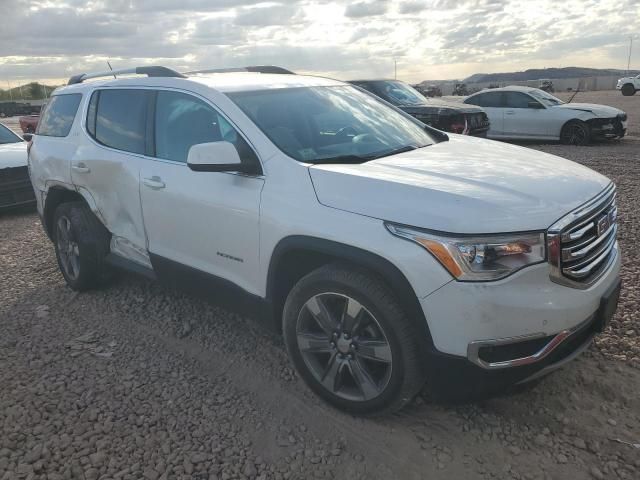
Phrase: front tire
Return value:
(81, 244)
(575, 132)
(351, 342)
(628, 90)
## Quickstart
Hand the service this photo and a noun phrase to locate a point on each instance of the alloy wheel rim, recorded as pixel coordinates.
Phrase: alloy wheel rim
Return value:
(575, 135)
(68, 250)
(344, 347)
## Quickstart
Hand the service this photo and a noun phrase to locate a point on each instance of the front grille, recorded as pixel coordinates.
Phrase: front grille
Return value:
(582, 244)
(478, 120)
(15, 187)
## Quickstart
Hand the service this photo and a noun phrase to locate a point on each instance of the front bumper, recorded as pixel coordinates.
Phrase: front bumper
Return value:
(606, 128)
(526, 305)
(15, 188)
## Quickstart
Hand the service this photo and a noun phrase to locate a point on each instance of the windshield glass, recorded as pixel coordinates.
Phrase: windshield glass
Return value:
(399, 93)
(545, 98)
(7, 136)
(331, 124)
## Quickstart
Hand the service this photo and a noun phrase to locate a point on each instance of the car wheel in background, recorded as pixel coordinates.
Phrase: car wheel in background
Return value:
(575, 132)
(351, 342)
(628, 90)
(81, 243)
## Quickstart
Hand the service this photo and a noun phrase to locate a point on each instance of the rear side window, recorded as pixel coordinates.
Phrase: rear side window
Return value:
(183, 121)
(489, 99)
(117, 119)
(58, 115)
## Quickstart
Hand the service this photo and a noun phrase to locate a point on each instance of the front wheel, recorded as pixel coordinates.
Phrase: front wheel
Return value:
(575, 132)
(351, 342)
(628, 90)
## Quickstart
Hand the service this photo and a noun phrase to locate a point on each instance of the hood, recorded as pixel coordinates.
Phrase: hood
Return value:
(598, 110)
(440, 107)
(465, 185)
(13, 155)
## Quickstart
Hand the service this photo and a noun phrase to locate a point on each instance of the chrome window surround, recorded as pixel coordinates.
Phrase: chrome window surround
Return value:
(473, 349)
(556, 234)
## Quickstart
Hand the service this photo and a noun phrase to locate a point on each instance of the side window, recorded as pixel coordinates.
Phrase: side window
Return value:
(117, 118)
(183, 121)
(489, 99)
(58, 115)
(517, 100)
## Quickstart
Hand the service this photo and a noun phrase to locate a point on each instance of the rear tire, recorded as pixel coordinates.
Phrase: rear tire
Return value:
(350, 341)
(81, 244)
(628, 90)
(575, 132)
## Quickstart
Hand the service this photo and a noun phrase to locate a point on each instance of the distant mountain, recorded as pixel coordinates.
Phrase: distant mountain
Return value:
(551, 73)
(30, 91)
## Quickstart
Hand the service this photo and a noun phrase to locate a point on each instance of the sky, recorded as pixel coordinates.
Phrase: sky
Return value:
(51, 40)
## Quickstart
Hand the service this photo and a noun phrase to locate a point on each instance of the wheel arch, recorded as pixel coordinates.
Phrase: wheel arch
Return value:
(295, 256)
(57, 195)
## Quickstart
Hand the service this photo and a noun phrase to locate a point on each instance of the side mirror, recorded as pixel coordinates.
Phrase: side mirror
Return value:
(27, 137)
(536, 105)
(216, 157)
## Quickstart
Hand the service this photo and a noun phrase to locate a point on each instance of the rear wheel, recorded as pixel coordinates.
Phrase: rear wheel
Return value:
(575, 132)
(351, 342)
(628, 90)
(81, 244)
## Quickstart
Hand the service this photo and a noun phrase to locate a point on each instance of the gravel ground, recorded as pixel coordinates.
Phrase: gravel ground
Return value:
(139, 382)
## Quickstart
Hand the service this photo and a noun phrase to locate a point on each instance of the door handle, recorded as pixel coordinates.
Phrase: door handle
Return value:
(510, 112)
(80, 168)
(154, 182)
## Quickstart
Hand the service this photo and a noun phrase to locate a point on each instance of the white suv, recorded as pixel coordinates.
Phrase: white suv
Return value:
(387, 252)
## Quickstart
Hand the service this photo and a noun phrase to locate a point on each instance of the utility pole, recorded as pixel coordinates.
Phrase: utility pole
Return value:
(10, 94)
(629, 60)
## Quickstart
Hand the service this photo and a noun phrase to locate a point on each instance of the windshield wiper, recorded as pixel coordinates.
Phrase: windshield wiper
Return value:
(355, 159)
(395, 151)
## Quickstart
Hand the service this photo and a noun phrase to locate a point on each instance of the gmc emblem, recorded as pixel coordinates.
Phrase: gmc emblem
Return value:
(603, 224)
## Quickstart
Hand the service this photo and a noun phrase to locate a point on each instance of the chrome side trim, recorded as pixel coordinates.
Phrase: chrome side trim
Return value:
(473, 349)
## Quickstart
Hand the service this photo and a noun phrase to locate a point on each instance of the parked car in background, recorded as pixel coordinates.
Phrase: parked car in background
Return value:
(428, 91)
(629, 85)
(386, 251)
(447, 116)
(29, 123)
(526, 113)
(15, 186)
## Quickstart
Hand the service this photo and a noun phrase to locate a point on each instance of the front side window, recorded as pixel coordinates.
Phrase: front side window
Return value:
(7, 136)
(117, 118)
(489, 99)
(183, 121)
(399, 93)
(517, 100)
(58, 115)
(330, 124)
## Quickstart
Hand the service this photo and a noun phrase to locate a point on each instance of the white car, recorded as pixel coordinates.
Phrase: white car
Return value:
(628, 85)
(526, 113)
(15, 186)
(386, 251)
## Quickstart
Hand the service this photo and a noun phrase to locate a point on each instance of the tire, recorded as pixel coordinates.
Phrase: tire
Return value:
(82, 244)
(575, 132)
(371, 363)
(628, 90)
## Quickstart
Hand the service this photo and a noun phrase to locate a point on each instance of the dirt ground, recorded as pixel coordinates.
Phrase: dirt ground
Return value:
(139, 382)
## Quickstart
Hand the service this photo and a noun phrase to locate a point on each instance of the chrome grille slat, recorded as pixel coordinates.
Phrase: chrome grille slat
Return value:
(583, 243)
(569, 254)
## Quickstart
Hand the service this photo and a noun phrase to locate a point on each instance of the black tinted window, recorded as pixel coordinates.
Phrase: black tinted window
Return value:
(489, 99)
(517, 100)
(58, 115)
(183, 121)
(120, 120)
(7, 136)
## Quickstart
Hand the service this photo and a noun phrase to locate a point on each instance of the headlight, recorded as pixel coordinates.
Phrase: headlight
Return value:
(479, 258)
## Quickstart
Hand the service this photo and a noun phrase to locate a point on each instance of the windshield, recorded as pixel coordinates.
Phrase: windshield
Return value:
(399, 93)
(331, 124)
(545, 98)
(7, 136)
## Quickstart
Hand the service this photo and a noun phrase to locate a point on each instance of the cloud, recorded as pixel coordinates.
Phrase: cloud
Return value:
(341, 38)
(366, 9)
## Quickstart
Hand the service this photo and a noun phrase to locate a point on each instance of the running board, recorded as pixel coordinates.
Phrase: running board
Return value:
(130, 266)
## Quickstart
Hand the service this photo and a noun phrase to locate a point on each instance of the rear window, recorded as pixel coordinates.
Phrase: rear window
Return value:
(58, 115)
(117, 119)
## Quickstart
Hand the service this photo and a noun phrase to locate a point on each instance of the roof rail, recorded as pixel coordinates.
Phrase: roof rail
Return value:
(256, 69)
(154, 71)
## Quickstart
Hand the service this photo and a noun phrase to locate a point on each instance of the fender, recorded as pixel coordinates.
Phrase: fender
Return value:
(389, 273)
